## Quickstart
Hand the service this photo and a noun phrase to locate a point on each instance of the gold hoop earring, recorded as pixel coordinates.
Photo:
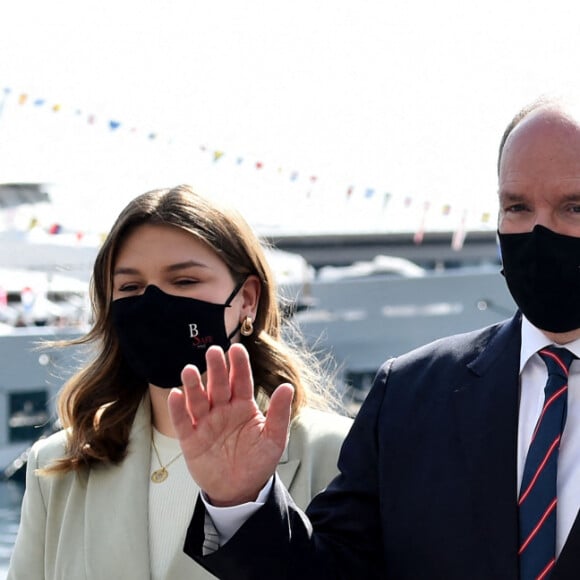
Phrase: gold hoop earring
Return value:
(247, 327)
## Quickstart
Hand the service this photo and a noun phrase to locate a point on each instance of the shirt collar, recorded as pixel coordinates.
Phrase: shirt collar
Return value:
(533, 339)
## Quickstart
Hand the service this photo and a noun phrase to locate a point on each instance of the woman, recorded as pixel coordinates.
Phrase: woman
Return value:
(110, 496)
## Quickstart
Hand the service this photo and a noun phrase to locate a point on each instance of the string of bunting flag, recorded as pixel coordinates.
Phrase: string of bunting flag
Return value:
(218, 155)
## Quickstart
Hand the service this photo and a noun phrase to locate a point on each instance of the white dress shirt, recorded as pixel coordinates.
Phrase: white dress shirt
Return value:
(533, 376)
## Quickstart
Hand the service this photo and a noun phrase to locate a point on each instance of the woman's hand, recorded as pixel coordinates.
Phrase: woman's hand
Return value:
(230, 448)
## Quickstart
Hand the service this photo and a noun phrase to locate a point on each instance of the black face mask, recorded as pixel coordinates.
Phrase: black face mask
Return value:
(160, 333)
(542, 270)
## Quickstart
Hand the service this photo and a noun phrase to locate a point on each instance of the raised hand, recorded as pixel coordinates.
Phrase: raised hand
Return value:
(230, 447)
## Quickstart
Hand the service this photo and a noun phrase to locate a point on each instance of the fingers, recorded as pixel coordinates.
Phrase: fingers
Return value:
(279, 411)
(180, 418)
(217, 377)
(196, 398)
(189, 406)
(241, 379)
(194, 402)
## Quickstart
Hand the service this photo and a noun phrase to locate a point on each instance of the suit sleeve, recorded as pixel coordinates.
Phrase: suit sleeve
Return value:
(339, 536)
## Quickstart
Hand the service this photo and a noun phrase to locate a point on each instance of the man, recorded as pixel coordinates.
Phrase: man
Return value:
(434, 478)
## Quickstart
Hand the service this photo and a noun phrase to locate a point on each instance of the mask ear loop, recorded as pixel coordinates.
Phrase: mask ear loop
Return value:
(228, 305)
(234, 332)
(235, 291)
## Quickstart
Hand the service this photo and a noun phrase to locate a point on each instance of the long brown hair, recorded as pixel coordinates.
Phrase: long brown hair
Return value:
(98, 404)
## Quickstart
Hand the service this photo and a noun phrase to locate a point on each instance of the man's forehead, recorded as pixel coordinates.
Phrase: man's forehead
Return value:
(546, 119)
(514, 195)
(547, 135)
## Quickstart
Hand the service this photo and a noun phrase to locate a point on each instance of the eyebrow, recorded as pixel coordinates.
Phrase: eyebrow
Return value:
(171, 268)
(572, 196)
(510, 195)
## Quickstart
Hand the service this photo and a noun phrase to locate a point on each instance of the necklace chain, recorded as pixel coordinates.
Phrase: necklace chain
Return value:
(161, 474)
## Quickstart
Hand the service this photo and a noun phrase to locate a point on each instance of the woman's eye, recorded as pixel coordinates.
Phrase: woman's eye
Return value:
(185, 282)
(128, 287)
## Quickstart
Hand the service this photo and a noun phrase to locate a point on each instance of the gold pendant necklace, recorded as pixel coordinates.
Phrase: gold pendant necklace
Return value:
(161, 474)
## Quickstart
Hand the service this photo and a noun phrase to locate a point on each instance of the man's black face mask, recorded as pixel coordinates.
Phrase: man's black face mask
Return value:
(542, 271)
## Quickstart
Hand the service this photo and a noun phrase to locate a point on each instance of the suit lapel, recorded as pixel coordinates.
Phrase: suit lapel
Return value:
(486, 409)
(287, 468)
(182, 566)
(119, 547)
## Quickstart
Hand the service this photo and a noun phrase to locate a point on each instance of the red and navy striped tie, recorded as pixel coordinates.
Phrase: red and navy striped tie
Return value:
(538, 493)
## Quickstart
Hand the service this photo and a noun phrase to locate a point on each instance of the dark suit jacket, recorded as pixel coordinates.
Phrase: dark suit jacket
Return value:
(427, 488)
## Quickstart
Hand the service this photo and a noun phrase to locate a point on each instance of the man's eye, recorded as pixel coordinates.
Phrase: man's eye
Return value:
(516, 208)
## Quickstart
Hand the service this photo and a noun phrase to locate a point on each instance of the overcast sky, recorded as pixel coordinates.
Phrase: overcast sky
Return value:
(282, 108)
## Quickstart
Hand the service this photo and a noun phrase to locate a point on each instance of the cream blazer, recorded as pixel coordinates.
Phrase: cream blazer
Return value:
(94, 526)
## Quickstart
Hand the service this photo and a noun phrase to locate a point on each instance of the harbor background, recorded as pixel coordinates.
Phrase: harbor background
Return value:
(10, 498)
